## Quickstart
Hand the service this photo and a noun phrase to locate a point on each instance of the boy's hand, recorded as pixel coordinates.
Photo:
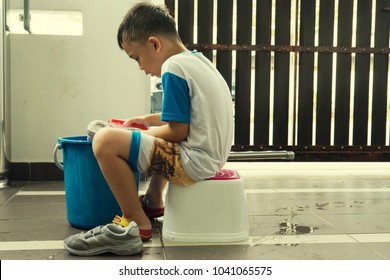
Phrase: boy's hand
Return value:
(147, 120)
(119, 123)
(137, 120)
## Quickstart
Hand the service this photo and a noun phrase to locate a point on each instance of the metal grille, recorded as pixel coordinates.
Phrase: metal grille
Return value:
(307, 75)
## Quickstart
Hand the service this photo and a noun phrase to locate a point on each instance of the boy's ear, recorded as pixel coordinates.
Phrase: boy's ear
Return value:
(155, 43)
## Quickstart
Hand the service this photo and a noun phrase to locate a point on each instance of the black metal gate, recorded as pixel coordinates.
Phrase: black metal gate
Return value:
(311, 76)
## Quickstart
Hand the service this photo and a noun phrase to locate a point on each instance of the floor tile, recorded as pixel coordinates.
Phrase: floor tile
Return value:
(335, 211)
(267, 204)
(8, 192)
(206, 252)
(323, 206)
(44, 186)
(290, 225)
(382, 249)
(361, 223)
(274, 252)
(35, 229)
(61, 254)
(33, 211)
(313, 252)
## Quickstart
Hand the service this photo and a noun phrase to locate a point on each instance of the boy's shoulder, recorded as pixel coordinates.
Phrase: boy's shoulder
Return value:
(191, 59)
(184, 56)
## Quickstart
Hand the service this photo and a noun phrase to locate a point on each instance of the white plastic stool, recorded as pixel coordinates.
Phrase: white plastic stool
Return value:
(214, 210)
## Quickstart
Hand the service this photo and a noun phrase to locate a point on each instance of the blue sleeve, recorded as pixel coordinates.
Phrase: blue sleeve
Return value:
(176, 104)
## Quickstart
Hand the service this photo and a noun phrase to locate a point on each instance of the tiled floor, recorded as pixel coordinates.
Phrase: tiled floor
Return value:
(301, 211)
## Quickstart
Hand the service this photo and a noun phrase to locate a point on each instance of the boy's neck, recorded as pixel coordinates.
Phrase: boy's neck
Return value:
(175, 47)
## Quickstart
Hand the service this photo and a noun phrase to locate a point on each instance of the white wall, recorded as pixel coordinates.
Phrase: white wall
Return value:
(60, 83)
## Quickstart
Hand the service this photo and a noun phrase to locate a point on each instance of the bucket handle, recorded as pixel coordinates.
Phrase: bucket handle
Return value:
(57, 163)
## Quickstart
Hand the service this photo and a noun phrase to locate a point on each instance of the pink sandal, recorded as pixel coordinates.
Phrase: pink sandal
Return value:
(151, 212)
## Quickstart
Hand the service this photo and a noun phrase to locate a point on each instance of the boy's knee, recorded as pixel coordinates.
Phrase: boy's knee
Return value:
(101, 142)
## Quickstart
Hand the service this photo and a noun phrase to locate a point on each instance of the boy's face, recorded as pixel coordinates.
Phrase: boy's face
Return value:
(147, 55)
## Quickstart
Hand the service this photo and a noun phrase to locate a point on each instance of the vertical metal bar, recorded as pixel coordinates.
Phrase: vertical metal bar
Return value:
(185, 20)
(282, 67)
(224, 36)
(306, 70)
(324, 74)
(343, 80)
(362, 73)
(205, 24)
(262, 73)
(26, 16)
(295, 82)
(170, 4)
(6, 16)
(243, 73)
(5, 105)
(381, 75)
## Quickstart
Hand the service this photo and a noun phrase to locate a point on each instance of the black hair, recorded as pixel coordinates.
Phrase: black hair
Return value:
(145, 20)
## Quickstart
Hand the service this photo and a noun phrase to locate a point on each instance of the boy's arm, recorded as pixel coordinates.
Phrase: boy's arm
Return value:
(172, 131)
(169, 131)
(147, 120)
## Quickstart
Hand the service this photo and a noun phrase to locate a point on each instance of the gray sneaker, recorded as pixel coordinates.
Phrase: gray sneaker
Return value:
(111, 238)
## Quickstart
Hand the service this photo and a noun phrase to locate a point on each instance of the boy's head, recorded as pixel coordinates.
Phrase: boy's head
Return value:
(148, 35)
(143, 21)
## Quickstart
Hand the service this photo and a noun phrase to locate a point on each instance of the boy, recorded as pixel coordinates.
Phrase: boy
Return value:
(189, 142)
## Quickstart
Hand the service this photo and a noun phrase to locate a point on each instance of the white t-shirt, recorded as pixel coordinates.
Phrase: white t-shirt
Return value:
(196, 93)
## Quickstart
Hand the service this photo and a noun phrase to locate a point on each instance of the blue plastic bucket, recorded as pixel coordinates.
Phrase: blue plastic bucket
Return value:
(89, 200)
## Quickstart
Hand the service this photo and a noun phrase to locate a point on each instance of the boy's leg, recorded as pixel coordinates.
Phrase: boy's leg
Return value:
(164, 163)
(153, 197)
(111, 148)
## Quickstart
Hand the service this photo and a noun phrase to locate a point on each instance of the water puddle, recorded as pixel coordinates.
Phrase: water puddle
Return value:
(339, 204)
(288, 228)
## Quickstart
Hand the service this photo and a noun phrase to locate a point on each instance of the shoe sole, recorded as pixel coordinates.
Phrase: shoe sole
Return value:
(122, 250)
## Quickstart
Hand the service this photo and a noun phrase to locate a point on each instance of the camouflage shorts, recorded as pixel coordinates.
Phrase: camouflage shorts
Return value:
(164, 160)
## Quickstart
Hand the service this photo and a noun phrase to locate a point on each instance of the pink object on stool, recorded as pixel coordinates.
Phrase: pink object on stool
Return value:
(213, 210)
(226, 174)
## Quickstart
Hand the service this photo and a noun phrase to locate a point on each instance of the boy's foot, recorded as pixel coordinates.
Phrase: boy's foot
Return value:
(111, 238)
(151, 212)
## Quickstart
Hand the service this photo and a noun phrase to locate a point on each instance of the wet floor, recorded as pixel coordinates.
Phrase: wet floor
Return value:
(302, 211)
